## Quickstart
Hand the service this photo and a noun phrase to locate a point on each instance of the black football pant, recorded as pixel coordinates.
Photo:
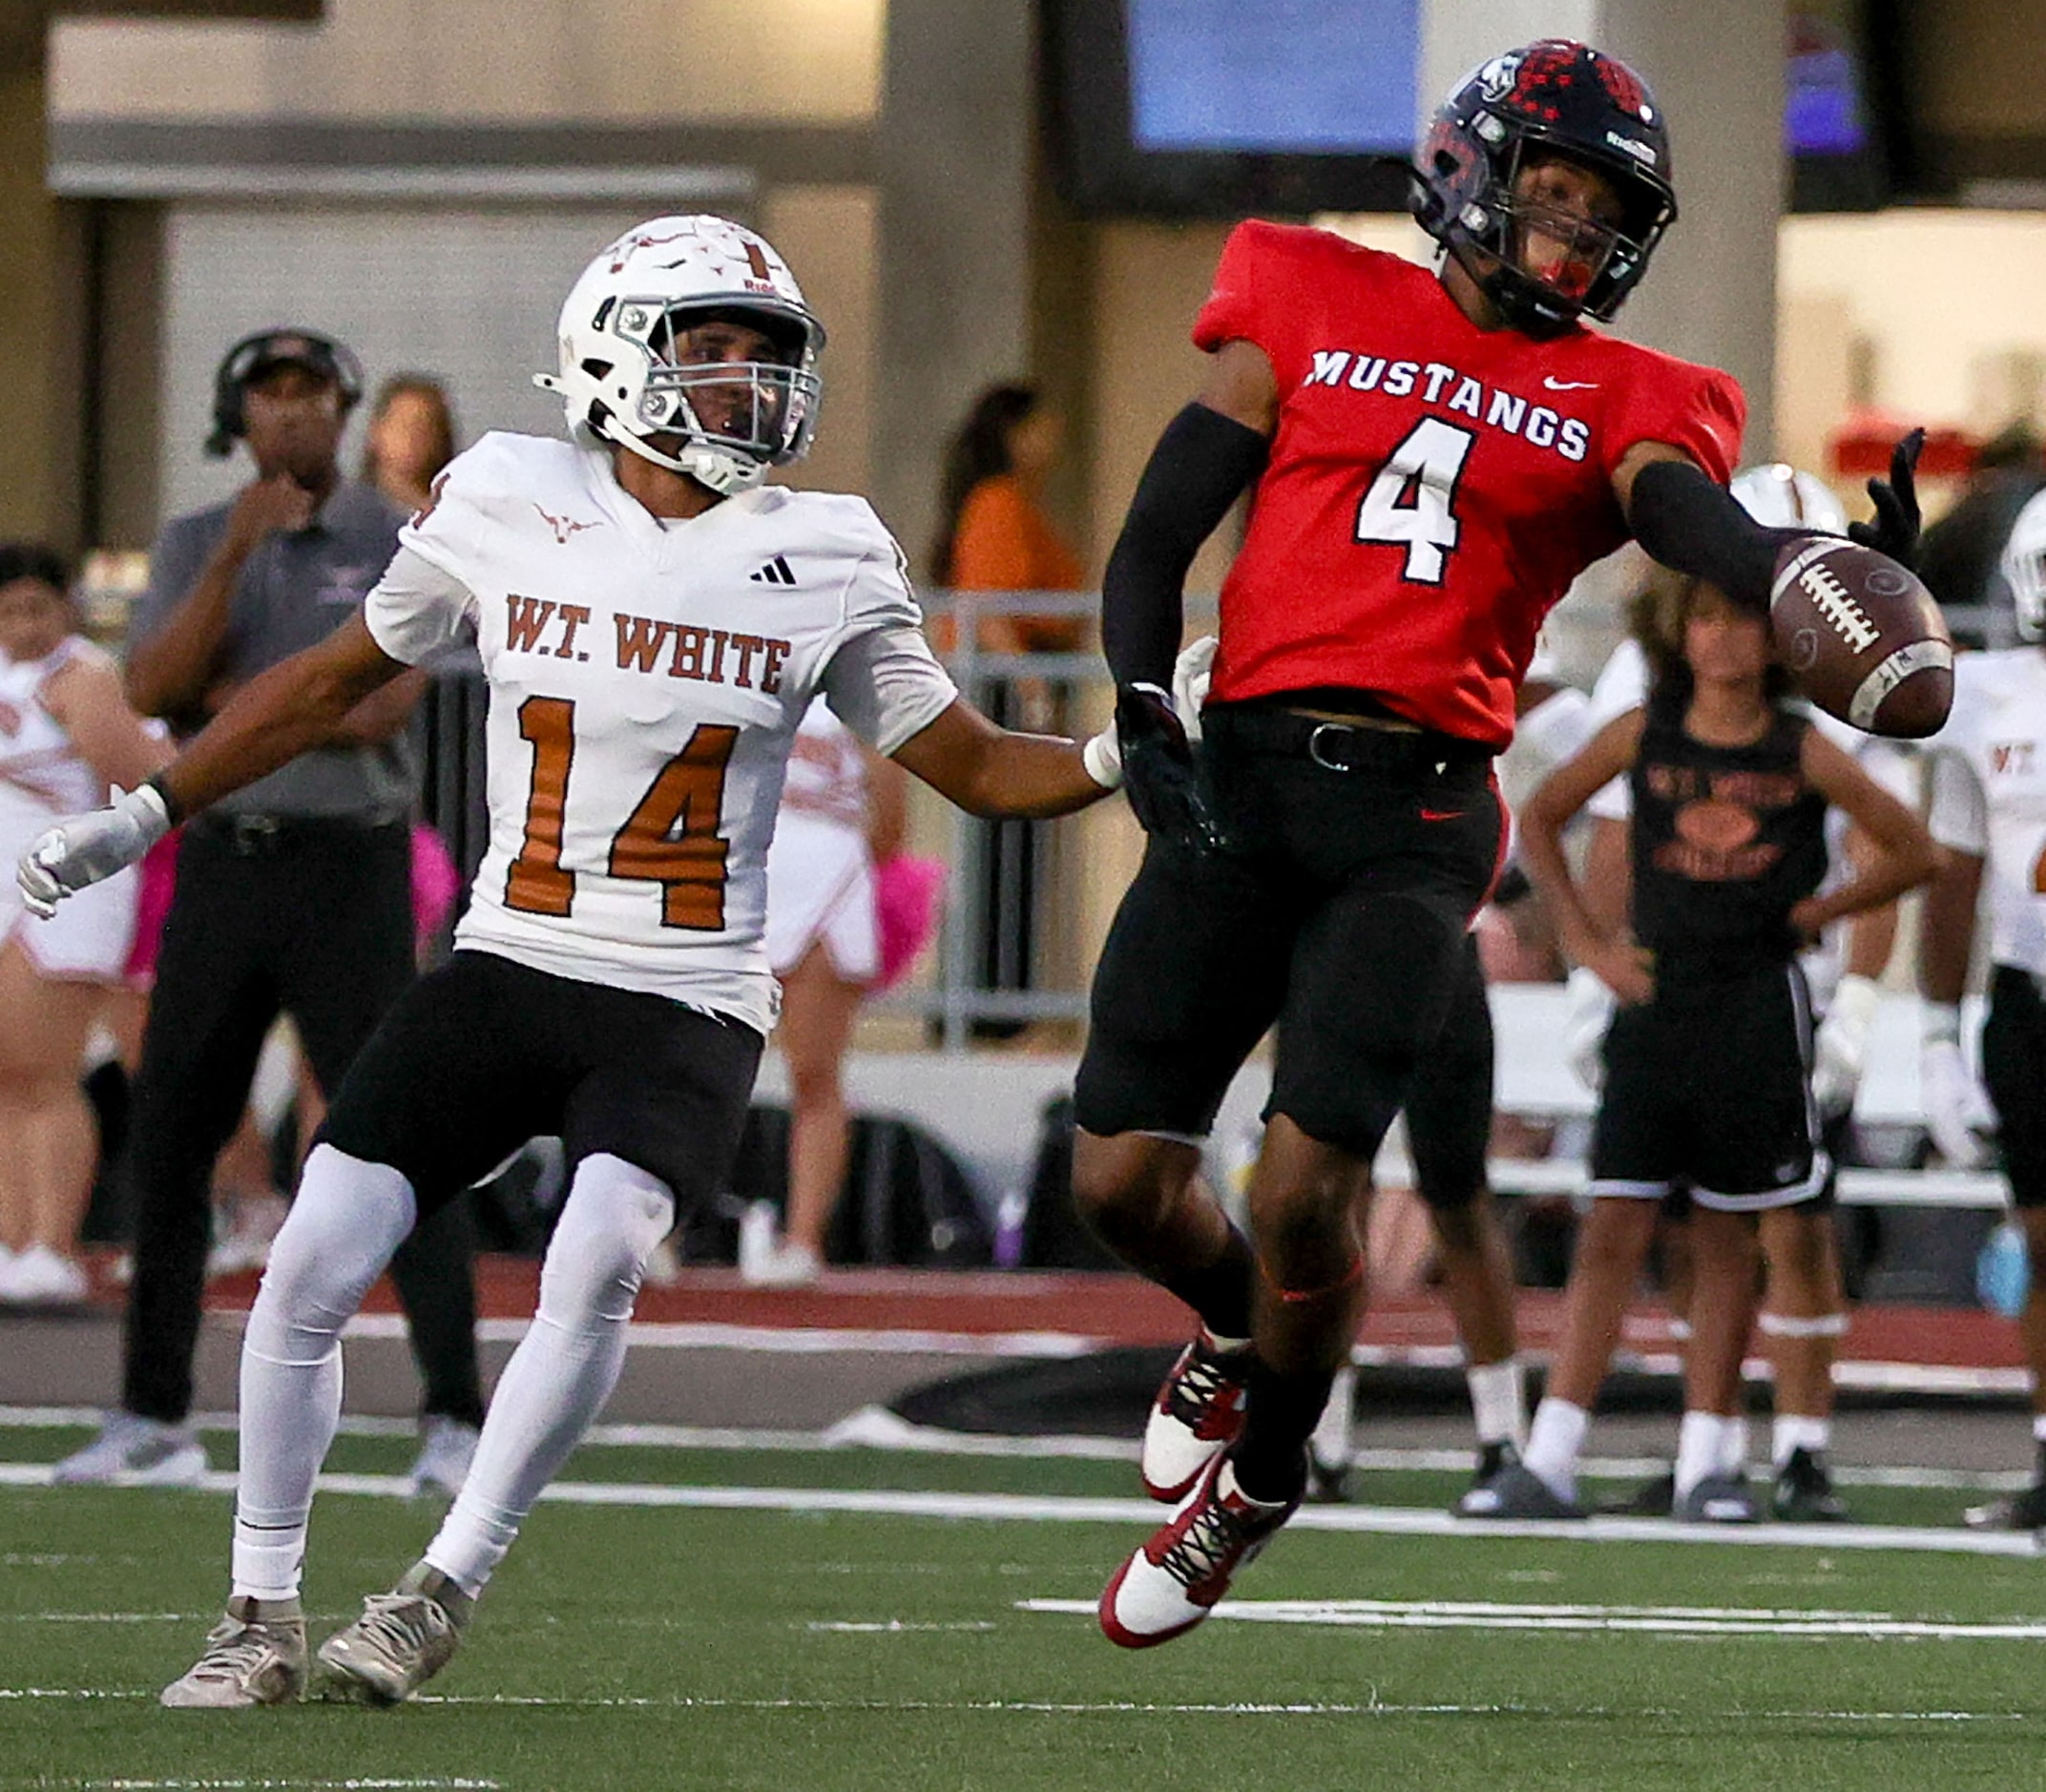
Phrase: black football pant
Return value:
(313, 919)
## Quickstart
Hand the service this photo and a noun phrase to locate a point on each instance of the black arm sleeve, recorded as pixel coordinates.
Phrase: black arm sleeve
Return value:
(1693, 526)
(1197, 470)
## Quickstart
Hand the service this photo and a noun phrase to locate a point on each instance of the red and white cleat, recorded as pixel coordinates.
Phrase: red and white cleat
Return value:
(1198, 1415)
(1177, 1577)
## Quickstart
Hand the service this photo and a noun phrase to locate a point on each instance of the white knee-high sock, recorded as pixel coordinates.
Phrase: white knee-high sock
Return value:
(348, 1218)
(564, 1368)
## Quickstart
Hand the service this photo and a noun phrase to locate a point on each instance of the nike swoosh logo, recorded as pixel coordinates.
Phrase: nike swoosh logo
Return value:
(1441, 815)
(1570, 386)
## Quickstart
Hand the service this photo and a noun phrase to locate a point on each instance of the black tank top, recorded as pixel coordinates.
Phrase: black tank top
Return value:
(1726, 842)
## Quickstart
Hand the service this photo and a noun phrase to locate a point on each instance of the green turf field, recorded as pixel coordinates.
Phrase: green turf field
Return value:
(634, 1646)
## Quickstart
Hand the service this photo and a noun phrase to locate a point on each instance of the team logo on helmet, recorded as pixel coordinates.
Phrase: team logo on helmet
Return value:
(1496, 79)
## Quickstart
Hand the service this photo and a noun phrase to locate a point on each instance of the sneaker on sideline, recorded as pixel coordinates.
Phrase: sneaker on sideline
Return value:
(1198, 1415)
(1515, 1491)
(403, 1638)
(144, 1452)
(447, 1447)
(1804, 1493)
(41, 1277)
(1177, 1577)
(1719, 1499)
(2023, 1511)
(254, 1655)
(783, 1264)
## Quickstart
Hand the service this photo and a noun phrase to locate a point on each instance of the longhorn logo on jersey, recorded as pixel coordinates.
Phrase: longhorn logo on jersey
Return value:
(564, 526)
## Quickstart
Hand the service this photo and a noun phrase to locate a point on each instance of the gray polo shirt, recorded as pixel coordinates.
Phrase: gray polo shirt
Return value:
(294, 590)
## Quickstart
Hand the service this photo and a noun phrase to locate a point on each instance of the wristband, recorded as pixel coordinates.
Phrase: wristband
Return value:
(1939, 1023)
(1102, 759)
(174, 811)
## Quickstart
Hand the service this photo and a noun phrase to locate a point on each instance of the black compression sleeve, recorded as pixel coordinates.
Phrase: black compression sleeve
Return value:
(1197, 470)
(1693, 526)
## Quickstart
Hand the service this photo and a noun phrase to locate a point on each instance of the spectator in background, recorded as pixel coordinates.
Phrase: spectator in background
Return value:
(410, 439)
(994, 536)
(842, 810)
(66, 736)
(295, 893)
(1957, 558)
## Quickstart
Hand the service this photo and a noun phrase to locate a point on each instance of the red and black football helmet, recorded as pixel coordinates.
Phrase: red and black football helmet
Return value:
(1561, 99)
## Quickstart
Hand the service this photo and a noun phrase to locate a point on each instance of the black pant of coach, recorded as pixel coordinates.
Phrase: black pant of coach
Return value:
(313, 918)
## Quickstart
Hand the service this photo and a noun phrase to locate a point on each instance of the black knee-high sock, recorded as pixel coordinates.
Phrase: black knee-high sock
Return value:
(1220, 1292)
(1280, 1416)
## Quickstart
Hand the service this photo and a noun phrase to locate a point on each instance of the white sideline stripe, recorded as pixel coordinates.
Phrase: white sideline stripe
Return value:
(780, 1340)
(1059, 1708)
(876, 1427)
(1651, 1620)
(253, 1786)
(1072, 1509)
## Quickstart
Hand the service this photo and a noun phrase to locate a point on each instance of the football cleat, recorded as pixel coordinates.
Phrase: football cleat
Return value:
(447, 1447)
(139, 1451)
(1719, 1499)
(1176, 1579)
(2023, 1511)
(1515, 1491)
(1333, 1447)
(402, 1641)
(1804, 1491)
(255, 1656)
(1198, 1415)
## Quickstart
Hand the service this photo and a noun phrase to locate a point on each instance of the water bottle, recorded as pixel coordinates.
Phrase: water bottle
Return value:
(2003, 1271)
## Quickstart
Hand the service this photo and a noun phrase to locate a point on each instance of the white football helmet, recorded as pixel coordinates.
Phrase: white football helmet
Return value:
(625, 375)
(1778, 496)
(2024, 567)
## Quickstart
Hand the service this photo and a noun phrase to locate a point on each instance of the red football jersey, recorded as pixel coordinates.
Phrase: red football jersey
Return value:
(1433, 487)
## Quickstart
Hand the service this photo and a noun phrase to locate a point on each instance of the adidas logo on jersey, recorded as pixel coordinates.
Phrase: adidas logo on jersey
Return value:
(775, 572)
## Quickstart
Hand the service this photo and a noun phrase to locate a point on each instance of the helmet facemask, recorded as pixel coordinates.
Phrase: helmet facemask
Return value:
(724, 422)
(1592, 265)
(2024, 571)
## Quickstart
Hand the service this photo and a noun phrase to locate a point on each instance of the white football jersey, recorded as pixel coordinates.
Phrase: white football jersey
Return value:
(646, 683)
(1989, 792)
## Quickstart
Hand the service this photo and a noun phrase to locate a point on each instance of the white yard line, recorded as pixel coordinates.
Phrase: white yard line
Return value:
(1651, 1620)
(1040, 1509)
(876, 1427)
(1063, 1708)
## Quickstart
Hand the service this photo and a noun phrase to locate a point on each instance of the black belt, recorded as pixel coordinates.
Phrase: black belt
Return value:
(1339, 746)
(267, 835)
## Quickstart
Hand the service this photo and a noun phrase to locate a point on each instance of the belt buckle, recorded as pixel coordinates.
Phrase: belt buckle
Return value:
(1314, 745)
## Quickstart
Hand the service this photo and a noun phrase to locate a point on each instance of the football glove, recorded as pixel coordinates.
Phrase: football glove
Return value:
(1895, 530)
(1159, 771)
(1587, 1014)
(1958, 1113)
(87, 848)
(1840, 1049)
(1190, 673)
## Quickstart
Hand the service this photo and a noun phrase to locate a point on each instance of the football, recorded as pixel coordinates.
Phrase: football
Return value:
(1864, 639)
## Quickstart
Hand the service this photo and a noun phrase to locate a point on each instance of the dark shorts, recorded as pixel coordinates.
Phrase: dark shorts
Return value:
(1339, 913)
(484, 1054)
(2013, 1070)
(1449, 1112)
(1709, 1086)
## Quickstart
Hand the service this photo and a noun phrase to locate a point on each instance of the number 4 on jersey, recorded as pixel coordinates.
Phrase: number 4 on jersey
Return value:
(1412, 502)
(671, 838)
